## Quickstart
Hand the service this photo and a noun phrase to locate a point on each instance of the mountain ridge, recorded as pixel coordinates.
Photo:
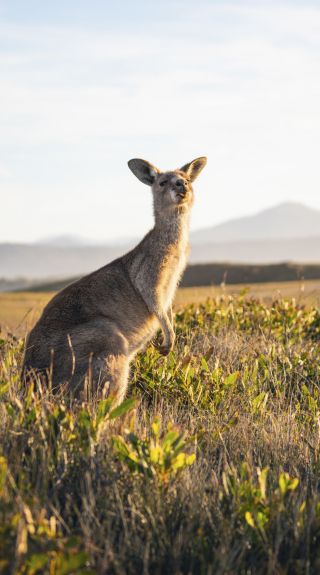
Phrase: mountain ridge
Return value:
(40, 261)
(283, 221)
(271, 222)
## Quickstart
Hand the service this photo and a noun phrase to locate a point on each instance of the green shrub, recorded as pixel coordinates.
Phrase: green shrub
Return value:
(160, 456)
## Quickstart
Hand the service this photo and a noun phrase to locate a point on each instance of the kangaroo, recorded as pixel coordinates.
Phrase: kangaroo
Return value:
(92, 329)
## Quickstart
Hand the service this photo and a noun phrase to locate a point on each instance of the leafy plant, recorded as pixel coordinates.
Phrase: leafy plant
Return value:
(160, 456)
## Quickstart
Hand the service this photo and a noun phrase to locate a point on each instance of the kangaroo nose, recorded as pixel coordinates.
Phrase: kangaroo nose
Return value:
(181, 188)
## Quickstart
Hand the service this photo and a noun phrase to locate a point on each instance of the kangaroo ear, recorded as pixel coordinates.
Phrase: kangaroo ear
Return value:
(194, 168)
(144, 171)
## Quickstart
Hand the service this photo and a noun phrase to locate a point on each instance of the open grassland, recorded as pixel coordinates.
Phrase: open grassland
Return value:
(20, 310)
(212, 466)
(305, 292)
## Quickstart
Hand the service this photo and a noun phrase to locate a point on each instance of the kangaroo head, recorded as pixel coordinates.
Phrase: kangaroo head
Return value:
(171, 190)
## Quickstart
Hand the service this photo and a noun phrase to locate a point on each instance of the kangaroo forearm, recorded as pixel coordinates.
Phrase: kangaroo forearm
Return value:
(154, 306)
(166, 327)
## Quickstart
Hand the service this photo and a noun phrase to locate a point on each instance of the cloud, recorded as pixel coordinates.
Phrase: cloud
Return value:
(4, 173)
(236, 81)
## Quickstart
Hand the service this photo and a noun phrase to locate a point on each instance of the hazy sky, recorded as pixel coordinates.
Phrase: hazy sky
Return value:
(86, 85)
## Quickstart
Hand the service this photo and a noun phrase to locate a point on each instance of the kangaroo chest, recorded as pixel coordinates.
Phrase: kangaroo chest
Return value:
(170, 274)
(157, 267)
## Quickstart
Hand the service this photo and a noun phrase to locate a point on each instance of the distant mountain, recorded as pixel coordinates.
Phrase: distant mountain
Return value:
(285, 221)
(43, 261)
(288, 232)
(68, 241)
(65, 241)
(303, 250)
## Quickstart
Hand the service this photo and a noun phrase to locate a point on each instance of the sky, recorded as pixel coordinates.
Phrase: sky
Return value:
(85, 86)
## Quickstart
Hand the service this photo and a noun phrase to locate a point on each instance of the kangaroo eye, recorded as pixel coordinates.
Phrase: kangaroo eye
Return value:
(163, 183)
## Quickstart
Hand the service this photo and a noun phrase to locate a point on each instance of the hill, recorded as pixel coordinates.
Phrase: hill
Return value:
(231, 274)
(200, 275)
(303, 250)
(289, 232)
(285, 221)
(50, 261)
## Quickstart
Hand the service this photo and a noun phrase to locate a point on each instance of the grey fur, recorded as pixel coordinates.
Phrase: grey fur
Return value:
(92, 329)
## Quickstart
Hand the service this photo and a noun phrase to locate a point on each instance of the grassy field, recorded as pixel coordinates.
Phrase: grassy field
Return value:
(19, 310)
(212, 466)
(305, 292)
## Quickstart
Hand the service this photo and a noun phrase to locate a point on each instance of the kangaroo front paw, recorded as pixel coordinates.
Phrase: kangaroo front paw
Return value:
(164, 349)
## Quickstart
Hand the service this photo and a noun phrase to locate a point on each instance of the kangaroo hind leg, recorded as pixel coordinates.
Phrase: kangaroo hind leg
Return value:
(102, 361)
(110, 375)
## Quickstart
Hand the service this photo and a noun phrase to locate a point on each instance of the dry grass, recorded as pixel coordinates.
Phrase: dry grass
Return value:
(217, 470)
(20, 310)
(305, 292)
